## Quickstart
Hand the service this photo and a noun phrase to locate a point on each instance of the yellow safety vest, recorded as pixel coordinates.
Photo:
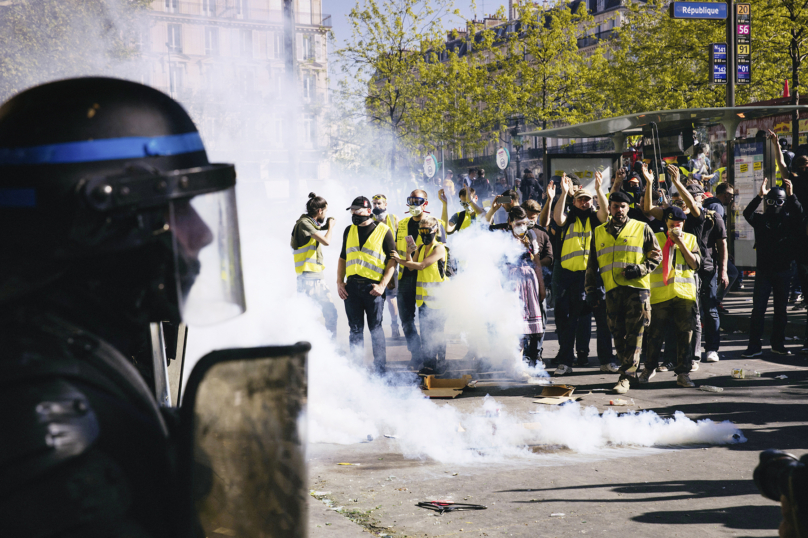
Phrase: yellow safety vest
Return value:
(614, 254)
(306, 257)
(681, 282)
(577, 242)
(401, 240)
(428, 279)
(369, 260)
(469, 218)
(392, 223)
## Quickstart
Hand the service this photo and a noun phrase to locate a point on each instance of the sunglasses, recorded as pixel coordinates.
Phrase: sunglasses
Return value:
(678, 203)
(415, 200)
(772, 201)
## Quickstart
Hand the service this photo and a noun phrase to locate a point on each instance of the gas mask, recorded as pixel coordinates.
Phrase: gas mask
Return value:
(359, 219)
(415, 210)
(427, 236)
(775, 201)
(379, 214)
(520, 229)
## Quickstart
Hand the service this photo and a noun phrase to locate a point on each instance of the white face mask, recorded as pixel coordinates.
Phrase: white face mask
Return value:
(520, 229)
(415, 210)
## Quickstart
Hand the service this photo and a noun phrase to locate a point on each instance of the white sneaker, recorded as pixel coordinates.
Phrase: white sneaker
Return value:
(563, 369)
(611, 368)
(646, 375)
(694, 366)
(622, 386)
(712, 356)
(683, 380)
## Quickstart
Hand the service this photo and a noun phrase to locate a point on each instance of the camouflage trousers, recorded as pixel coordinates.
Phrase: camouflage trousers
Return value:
(628, 312)
(677, 315)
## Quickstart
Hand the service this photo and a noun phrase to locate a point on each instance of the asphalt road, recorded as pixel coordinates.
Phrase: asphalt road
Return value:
(625, 492)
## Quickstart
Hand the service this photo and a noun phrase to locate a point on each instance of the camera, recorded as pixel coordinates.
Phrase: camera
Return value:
(781, 474)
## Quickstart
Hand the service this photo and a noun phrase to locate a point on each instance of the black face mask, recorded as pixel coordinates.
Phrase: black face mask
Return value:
(379, 211)
(359, 219)
(427, 238)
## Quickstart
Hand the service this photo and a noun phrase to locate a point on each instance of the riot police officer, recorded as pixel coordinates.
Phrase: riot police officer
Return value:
(112, 217)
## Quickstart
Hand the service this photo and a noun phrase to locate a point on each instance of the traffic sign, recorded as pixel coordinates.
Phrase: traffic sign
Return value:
(718, 63)
(698, 10)
(743, 43)
(430, 166)
(503, 158)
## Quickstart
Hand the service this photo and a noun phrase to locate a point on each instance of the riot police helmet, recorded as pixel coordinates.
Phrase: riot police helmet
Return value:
(110, 178)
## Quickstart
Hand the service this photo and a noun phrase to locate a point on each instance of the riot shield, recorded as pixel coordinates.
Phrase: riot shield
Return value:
(242, 451)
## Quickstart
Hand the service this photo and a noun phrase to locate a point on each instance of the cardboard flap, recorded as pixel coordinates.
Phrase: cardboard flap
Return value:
(557, 391)
(431, 382)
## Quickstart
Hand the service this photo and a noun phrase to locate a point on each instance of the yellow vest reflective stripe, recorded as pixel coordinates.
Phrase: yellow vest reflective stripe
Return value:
(428, 279)
(368, 260)
(681, 282)
(306, 258)
(577, 242)
(401, 240)
(614, 254)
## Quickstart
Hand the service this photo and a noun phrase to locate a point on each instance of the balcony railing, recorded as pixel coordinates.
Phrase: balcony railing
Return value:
(590, 40)
(222, 11)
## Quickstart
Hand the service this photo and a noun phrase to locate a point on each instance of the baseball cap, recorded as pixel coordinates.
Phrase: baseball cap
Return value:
(360, 202)
(619, 196)
(694, 189)
(582, 193)
(674, 213)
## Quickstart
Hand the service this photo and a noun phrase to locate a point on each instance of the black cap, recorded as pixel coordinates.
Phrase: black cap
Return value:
(619, 196)
(674, 213)
(694, 189)
(360, 202)
(575, 180)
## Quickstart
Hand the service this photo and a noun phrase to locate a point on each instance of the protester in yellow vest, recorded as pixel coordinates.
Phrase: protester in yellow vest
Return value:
(576, 228)
(366, 260)
(311, 231)
(431, 269)
(417, 203)
(462, 219)
(380, 214)
(624, 253)
(673, 297)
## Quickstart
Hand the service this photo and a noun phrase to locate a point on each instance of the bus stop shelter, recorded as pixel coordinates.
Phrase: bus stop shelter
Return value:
(670, 135)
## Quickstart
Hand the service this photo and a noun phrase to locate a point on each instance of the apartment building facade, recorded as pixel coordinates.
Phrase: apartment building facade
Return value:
(224, 61)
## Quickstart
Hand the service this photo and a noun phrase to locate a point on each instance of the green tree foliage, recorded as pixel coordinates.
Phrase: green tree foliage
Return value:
(45, 40)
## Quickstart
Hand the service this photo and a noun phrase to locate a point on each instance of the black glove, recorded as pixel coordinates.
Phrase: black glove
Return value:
(632, 271)
(592, 300)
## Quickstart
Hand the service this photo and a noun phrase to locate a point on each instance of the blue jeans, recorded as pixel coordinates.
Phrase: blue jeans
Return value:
(708, 315)
(767, 283)
(359, 304)
(732, 276)
(406, 311)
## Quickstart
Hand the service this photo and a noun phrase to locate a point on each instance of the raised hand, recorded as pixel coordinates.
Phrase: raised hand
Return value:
(551, 188)
(442, 196)
(789, 187)
(598, 180)
(673, 170)
(764, 190)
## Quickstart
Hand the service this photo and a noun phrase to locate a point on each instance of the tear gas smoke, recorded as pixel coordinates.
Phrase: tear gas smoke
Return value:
(346, 403)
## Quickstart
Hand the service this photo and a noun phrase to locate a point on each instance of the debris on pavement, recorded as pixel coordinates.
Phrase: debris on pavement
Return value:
(449, 506)
(349, 464)
(781, 376)
(558, 514)
(710, 388)
(390, 436)
(445, 388)
(556, 394)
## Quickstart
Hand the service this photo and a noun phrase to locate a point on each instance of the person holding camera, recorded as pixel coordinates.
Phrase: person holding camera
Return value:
(462, 219)
(784, 478)
(623, 255)
(576, 230)
(506, 201)
(673, 297)
(311, 231)
(775, 250)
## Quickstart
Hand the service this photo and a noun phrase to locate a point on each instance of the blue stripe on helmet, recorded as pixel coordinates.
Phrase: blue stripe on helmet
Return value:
(107, 149)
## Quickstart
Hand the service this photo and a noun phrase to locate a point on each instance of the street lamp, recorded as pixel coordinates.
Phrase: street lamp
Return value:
(518, 142)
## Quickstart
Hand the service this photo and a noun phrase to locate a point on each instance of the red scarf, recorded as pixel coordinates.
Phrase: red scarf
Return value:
(666, 252)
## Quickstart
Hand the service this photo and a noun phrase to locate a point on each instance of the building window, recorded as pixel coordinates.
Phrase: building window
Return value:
(308, 131)
(209, 8)
(211, 41)
(174, 38)
(308, 47)
(245, 41)
(174, 79)
(241, 8)
(601, 5)
(309, 87)
(278, 45)
(172, 5)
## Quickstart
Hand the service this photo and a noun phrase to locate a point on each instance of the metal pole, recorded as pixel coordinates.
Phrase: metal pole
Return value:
(731, 68)
(290, 93)
(161, 390)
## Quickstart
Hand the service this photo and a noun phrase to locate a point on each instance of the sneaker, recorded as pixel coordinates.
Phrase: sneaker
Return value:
(683, 380)
(712, 356)
(563, 369)
(750, 352)
(622, 386)
(694, 366)
(646, 375)
(667, 367)
(613, 368)
(781, 351)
